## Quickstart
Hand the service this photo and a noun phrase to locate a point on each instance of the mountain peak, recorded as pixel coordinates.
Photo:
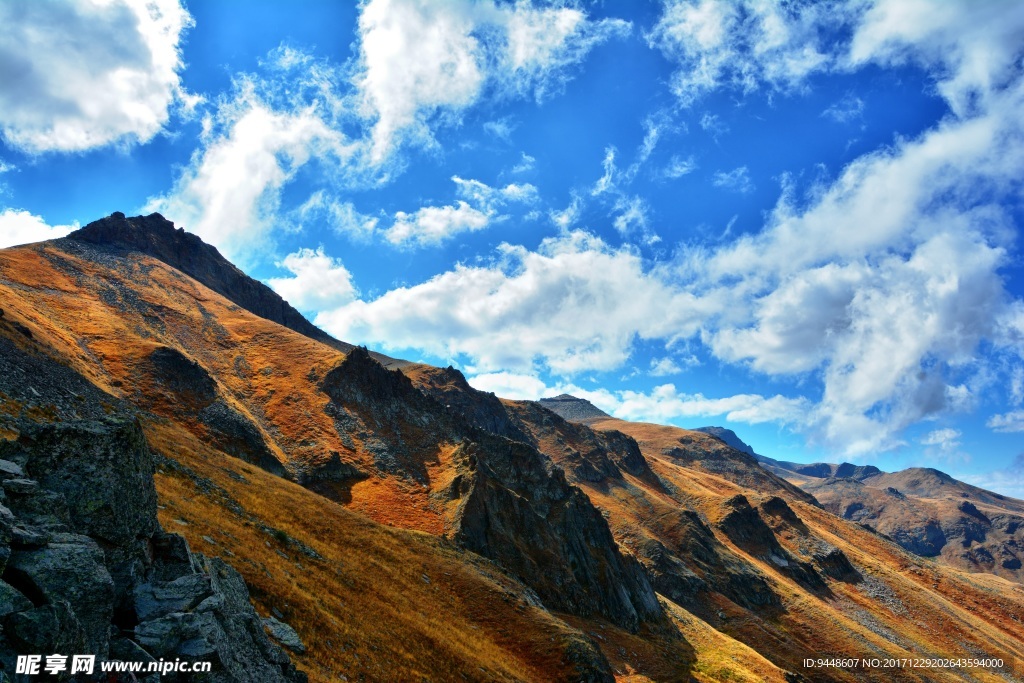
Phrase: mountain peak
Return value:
(157, 237)
(729, 437)
(573, 409)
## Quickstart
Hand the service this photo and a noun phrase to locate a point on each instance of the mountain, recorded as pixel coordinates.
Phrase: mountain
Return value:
(926, 511)
(409, 527)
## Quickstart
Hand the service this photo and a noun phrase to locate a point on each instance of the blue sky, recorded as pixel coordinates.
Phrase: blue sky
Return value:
(797, 220)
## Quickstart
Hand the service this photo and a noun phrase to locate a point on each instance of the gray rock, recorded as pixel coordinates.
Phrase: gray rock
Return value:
(47, 629)
(104, 469)
(11, 600)
(10, 470)
(158, 599)
(70, 569)
(169, 635)
(29, 537)
(284, 634)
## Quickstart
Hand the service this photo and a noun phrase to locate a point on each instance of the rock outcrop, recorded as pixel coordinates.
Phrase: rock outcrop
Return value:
(510, 503)
(516, 508)
(573, 409)
(88, 570)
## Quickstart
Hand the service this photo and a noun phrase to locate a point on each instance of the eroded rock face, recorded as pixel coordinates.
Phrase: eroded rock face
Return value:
(514, 505)
(517, 509)
(87, 569)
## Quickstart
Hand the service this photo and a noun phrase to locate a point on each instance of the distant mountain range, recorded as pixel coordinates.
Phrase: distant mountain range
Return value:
(926, 511)
(390, 522)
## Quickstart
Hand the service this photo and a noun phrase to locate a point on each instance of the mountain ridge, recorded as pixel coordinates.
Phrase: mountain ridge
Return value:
(404, 474)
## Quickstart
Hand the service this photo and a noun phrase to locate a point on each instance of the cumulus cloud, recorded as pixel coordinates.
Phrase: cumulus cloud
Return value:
(317, 281)
(660, 367)
(435, 224)
(82, 74)
(516, 386)
(410, 79)
(479, 206)
(664, 403)
(21, 227)
(1012, 421)
(881, 284)
(527, 308)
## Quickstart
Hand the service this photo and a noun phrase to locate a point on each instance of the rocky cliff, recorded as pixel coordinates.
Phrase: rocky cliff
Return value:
(86, 567)
(88, 570)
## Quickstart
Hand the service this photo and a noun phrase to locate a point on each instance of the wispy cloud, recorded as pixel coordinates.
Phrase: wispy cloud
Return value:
(736, 180)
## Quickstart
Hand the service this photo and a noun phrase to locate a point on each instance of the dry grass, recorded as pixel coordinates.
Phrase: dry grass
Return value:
(365, 609)
(381, 604)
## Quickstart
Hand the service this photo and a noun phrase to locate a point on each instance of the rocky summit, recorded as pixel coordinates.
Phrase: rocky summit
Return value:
(192, 471)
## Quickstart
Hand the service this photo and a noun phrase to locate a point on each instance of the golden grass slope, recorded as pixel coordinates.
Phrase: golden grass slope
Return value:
(905, 606)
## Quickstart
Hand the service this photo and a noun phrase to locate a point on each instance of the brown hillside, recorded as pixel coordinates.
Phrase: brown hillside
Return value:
(284, 456)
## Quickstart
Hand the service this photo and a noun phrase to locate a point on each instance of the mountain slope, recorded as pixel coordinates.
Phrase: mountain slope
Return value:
(746, 552)
(926, 511)
(284, 455)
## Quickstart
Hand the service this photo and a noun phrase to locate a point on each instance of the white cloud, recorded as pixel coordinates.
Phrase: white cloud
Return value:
(231, 192)
(518, 387)
(1012, 421)
(317, 282)
(736, 180)
(660, 367)
(946, 439)
(479, 207)
(411, 78)
(678, 167)
(567, 217)
(973, 48)
(83, 74)
(526, 163)
(663, 404)
(492, 198)
(341, 216)
(742, 43)
(21, 227)
(666, 404)
(501, 128)
(435, 224)
(847, 109)
(527, 308)
(253, 145)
